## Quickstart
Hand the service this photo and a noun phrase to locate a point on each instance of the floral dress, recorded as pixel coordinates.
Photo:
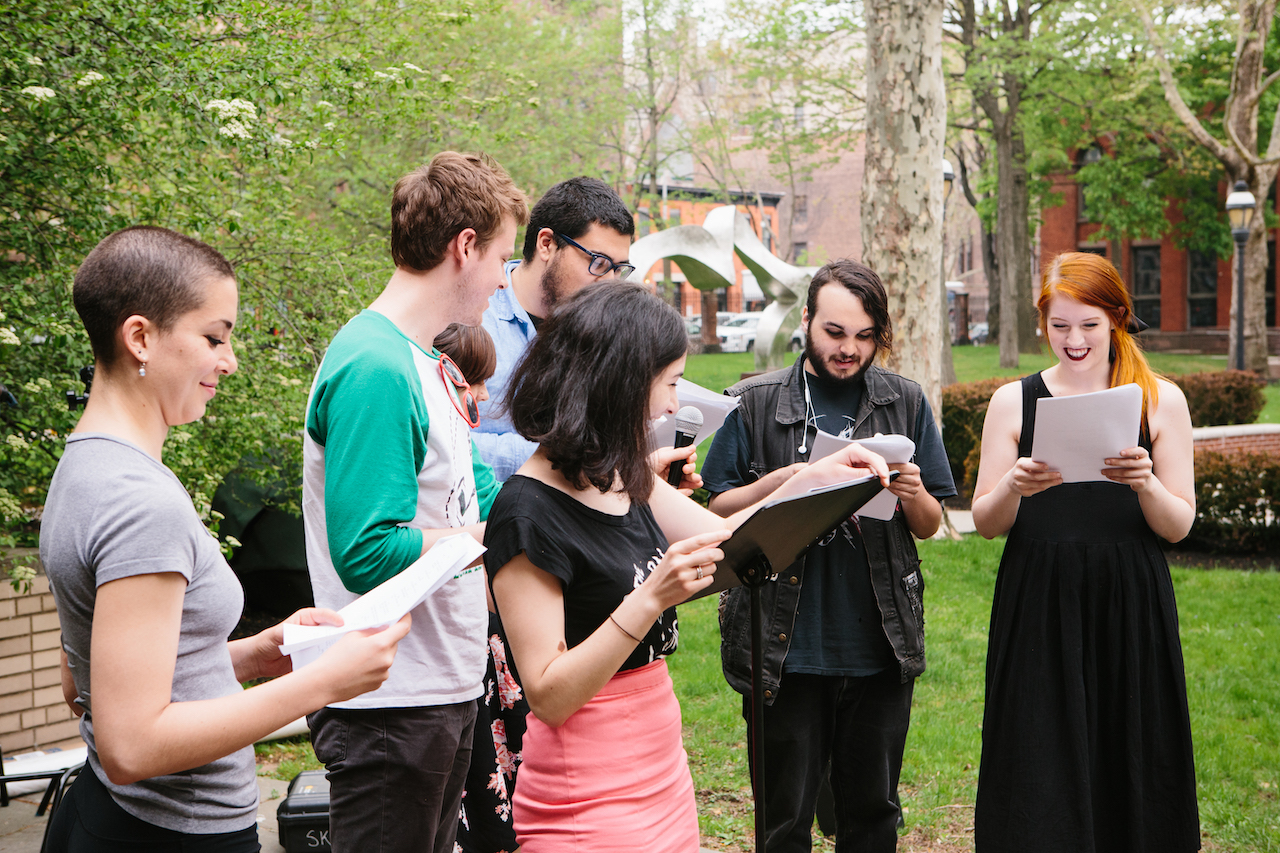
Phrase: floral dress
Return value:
(484, 824)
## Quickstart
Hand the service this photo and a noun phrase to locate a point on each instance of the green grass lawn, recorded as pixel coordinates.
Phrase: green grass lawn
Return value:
(720, 370)
(1230, 624)
(1230, 627)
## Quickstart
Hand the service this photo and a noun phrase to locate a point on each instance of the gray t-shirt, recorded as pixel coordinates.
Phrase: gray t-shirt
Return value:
(115, 512)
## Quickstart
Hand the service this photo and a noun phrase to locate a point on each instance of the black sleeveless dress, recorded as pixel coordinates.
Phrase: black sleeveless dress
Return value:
(1086, 739)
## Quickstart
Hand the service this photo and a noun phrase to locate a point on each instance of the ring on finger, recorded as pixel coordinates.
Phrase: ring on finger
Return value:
(698, 572)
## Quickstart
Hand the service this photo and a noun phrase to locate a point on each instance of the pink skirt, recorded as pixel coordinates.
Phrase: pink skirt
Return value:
(614, 777)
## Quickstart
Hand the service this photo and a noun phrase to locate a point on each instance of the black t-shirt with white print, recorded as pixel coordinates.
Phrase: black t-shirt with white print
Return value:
(598, 557)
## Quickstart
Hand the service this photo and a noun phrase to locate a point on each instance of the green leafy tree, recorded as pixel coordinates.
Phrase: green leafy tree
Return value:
(273, 132)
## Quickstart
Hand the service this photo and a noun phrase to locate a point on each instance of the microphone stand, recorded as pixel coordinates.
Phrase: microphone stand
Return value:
(754, 575)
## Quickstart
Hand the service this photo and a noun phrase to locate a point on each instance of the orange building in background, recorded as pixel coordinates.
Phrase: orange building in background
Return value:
(689, 205)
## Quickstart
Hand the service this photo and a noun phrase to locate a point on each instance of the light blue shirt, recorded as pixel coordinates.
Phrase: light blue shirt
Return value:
(512, 331)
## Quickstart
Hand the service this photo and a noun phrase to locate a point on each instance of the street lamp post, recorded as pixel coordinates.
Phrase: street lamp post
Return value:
(1240, 207)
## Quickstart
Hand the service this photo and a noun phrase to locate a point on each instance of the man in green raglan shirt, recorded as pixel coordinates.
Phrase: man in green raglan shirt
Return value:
(389, 468)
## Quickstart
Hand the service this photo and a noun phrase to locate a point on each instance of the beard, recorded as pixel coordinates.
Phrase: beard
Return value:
(553, 284)
(824, 372)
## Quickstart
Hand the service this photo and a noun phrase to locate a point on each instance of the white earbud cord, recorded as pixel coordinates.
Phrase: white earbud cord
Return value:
(808, 412)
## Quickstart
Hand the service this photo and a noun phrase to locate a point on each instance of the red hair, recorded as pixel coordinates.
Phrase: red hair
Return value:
(1092, 280)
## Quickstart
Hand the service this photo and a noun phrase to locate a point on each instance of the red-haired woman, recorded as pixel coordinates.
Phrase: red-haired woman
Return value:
(1086, 740)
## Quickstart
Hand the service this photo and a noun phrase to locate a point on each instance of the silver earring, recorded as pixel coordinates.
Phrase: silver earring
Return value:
(142, 371)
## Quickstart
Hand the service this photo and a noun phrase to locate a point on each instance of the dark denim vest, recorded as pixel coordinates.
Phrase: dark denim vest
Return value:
(773, 412)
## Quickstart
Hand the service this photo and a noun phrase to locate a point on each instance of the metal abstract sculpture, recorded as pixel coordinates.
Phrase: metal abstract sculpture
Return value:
(705, 256)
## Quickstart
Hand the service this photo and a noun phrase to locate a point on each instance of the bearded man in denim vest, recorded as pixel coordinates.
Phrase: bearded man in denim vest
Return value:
(844, 626)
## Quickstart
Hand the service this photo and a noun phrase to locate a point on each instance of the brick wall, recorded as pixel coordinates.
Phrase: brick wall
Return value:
(33, 714)
(1247, 438)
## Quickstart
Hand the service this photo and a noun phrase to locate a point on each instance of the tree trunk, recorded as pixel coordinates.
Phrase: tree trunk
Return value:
(710, 339)
(948, 364)
(1240, 158)
(902, 179)
(1007, 225)
(991, 269)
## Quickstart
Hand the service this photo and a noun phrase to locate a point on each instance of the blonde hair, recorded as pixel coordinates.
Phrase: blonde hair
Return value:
(1092, 280)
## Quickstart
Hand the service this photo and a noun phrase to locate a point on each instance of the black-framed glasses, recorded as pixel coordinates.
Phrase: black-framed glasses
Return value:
(600, 264)
(463, 399)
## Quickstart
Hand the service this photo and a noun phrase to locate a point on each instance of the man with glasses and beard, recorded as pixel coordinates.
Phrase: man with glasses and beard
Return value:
(579, 233)
(844, 636)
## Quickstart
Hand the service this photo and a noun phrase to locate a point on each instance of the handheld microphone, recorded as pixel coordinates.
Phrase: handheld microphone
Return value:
(688, 422)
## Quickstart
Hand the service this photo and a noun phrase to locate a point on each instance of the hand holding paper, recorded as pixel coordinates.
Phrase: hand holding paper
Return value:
(894, 448)
(1075, 435)
(387, 602)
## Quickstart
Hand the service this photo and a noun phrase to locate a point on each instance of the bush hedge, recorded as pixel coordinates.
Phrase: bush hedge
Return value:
(964, 407)
(1225, 397)
(1236, 500)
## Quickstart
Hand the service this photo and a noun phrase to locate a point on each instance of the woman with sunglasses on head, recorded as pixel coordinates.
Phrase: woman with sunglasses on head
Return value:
(144, 596)
(485, 824)
(589, 551)
(1086, 739)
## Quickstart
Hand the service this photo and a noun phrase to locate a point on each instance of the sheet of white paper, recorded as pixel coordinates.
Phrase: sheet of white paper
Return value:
(714, 407)
(388, 601)
(1074, 434)
(894, 448)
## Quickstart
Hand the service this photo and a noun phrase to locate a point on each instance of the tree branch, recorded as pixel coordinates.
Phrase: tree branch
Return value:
(1174, 97)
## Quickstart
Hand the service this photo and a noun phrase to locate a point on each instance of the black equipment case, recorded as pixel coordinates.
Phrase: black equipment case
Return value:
(303, 817)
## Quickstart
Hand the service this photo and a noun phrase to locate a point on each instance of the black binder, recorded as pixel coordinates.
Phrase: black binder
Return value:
(783, 530)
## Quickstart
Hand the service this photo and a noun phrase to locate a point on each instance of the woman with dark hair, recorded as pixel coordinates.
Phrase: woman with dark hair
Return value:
(144, 596)
(587, 584)
(485, 824)
(1086, 738)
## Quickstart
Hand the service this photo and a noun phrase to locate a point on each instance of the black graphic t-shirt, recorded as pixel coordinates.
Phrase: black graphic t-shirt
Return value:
(598, 557)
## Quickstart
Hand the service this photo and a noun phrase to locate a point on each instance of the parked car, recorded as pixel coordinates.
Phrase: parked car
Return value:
(978, 333)
(739, 334)
(694, 324)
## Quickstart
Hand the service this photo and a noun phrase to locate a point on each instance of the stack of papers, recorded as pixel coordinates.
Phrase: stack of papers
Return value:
(388, 602)
(894, 449)
(714, 407)
(1074, 434)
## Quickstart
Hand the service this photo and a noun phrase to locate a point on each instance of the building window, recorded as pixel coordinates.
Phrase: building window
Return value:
(799, 253)
(1202, 290)
(801, 210)
(722, 298)
(643, 224)
(799, 116)
(1146, 284)
(767, 232)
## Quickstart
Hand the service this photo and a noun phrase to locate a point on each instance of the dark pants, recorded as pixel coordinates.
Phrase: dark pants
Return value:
(395, 775)
(855, 726)
(89, 821)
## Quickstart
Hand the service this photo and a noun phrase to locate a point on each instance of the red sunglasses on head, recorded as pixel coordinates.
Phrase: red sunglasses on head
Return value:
(463, 400)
